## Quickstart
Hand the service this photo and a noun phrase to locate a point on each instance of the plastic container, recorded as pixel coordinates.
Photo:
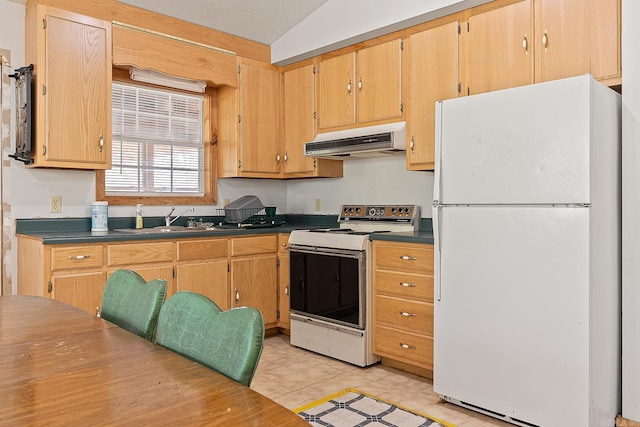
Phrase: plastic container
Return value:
(100, 216)
(139, 220)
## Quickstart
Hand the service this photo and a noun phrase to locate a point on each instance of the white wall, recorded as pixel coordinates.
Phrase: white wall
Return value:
(365, 181)
(340, 23)
(631, 211)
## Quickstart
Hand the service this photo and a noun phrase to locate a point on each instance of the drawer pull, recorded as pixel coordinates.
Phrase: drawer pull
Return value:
(407, 346)
(78, 256)
(406, 314)
(407, 258)
(407, 285)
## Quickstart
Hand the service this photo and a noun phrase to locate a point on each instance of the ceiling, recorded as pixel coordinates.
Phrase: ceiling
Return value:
(263, 21)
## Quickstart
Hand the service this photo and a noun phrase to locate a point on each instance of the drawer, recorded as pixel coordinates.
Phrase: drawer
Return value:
(404, 285)
(139, 253)
(414, 349)
(413, 258)
(202, 249)
(254, 245)
(403, 314)
(70, 257)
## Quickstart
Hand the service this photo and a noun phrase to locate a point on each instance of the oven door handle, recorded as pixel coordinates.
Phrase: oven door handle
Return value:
(333, 327)
(346, 253)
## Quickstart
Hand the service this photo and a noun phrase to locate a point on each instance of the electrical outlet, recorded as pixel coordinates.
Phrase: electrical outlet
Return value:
(317, 205)
(225, 202)
(55, 203)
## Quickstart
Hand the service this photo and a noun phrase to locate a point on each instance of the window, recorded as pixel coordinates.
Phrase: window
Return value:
(157, 143)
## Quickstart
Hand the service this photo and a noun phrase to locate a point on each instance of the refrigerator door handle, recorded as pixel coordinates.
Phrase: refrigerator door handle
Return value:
(437, 245)
(438, 154)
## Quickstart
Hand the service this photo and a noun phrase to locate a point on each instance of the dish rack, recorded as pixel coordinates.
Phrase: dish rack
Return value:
(265, 215)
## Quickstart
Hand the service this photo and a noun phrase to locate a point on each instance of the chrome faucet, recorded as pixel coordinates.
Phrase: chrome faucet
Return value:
(167, 219)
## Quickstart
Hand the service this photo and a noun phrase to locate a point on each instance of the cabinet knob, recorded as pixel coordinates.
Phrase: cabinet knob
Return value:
(349, 87)
(407, 285)
(360, 84)
(406, 314)
(286, 290)
(277, 157)
(237, 295)
(78, 256)
(545, 40)
(407, 258)
(412, 144)
(286, 158)
(525, 45)
(407, 346)
(101, 143)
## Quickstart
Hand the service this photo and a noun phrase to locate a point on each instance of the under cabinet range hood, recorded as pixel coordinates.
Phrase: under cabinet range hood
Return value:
(371, 141)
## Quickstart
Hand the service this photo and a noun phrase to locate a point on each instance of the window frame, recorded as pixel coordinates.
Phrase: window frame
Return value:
(210, 159)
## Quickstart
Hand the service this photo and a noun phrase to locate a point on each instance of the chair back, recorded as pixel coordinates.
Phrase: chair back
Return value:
(229, 342)
(132, 303)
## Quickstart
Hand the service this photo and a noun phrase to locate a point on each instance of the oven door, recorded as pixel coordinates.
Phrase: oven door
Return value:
(328, 284)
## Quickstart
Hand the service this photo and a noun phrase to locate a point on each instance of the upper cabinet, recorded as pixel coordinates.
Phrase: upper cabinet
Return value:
(299, 126)
(360, 87)
(574, 37)
(503, 44)
(427, 82)
(249, 123)
(71, 54)
(500, 48)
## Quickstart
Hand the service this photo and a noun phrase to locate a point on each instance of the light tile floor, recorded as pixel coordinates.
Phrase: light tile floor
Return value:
(294, 377)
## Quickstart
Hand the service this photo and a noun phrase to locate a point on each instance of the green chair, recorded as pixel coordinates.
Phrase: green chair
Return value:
(132, 303)
(229, 342)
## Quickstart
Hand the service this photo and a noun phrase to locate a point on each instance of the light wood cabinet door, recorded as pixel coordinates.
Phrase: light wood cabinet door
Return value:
(209, 278)
(72, 57)
(254, 284)
(562, 39)
(300, 126)
(283, 282)
(80, 290)
(379, 89)
(427, 82)
(299, 123)
(337, 91)
(604, 33)
(500, 48)
(259, 117)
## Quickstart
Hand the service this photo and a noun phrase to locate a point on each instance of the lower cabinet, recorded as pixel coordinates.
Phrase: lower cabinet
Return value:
(83, 290)
(202, 266)
(232, 271)
(254, 275)
(403, 303)
(151, 260)
(283, 283)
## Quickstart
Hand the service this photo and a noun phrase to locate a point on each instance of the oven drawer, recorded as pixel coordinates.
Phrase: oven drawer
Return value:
(404, 285)
(403, 314)
(407, 257)
(405, 347)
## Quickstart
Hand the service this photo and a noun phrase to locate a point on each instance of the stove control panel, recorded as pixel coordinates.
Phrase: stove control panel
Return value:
(397, 213)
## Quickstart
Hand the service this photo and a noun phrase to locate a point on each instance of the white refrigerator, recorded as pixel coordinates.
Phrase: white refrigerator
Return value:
(527, 228)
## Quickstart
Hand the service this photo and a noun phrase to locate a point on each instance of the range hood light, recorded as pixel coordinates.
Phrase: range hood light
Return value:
(161, 79)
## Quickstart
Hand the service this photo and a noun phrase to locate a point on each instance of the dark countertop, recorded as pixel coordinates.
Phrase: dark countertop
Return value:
(78, 230)
(422, 236)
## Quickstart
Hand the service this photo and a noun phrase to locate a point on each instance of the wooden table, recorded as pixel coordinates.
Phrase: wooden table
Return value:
(62, 366)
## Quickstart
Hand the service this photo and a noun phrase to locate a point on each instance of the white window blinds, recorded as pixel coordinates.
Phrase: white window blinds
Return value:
(157, 143)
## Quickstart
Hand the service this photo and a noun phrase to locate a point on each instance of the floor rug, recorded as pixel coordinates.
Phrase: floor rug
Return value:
(351, 407)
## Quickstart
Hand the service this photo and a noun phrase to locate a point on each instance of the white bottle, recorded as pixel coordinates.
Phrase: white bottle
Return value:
(139, 222)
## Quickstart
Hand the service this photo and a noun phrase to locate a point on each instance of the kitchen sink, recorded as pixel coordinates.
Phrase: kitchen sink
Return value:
(164, 229)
